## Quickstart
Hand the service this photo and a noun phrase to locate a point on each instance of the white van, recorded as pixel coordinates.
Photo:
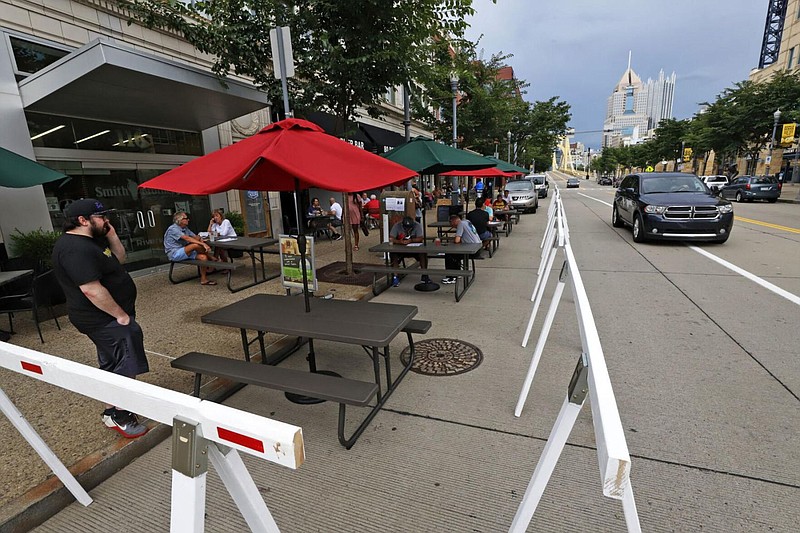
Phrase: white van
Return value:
(541, 183)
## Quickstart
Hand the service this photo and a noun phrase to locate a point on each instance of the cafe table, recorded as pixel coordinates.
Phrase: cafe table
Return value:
(510, 214)
(251, 245)
(7, 276)
(466, 275)
(370, 325)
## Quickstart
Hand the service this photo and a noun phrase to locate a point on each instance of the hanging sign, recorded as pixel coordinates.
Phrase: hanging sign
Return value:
(787, 134)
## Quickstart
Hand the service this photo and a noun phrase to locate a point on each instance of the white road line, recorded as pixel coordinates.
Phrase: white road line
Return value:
(595, 199)
(752, 277)
(742, 272)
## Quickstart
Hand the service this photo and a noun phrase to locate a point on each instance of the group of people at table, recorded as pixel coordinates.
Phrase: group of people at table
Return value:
(473, 230)
(180, 243)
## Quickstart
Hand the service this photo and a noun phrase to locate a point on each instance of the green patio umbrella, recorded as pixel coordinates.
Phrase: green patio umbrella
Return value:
(506, 167)
(427, 156)
(19, 172)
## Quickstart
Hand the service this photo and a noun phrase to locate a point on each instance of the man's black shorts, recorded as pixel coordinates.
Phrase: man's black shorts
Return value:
(120, 349)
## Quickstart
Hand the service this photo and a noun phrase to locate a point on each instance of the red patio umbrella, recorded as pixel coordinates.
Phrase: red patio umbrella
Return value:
(285, 156)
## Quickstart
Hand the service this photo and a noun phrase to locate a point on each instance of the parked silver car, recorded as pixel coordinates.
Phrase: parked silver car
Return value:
(524, 195)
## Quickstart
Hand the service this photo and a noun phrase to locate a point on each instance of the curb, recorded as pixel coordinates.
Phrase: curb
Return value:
(47, 499)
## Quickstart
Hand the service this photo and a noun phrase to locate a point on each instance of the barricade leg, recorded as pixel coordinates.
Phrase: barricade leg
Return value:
(44, 451)
(242, 489)
(629, 508)
(538, 293)
(547, 463)
(537, 353)
(189, 471)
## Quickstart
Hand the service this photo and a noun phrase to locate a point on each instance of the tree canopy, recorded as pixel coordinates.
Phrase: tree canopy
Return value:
(347, 54)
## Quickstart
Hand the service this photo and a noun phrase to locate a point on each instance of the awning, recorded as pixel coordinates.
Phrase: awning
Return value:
(371, 138)
(108, 82)
(17, 171)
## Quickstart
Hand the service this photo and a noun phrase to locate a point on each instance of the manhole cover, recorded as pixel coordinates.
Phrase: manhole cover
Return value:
(443, 357)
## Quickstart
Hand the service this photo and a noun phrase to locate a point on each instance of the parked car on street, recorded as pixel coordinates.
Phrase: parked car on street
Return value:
(749, 188)
(714, 182)
(573, 183)
(541, 184)
(671, 205)
(523, 194)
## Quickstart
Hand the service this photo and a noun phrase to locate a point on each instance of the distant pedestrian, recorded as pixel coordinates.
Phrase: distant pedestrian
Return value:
(101, 299)
(354, 209)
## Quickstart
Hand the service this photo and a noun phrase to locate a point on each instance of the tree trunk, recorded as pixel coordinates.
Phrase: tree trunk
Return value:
(348, 243)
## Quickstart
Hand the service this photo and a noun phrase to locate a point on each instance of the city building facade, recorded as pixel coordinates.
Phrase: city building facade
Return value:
(634, 108)
(111, 105)
(780, 52)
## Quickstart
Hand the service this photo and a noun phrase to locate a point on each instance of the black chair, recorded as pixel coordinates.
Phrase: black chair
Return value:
(43, 291)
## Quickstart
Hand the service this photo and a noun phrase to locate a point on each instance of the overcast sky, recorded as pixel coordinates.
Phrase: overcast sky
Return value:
(578, 49)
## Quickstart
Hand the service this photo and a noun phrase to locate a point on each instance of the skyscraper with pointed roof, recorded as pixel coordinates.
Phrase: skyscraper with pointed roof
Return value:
(634, 107)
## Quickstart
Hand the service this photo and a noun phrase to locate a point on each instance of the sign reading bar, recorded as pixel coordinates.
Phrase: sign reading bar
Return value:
(291, 267)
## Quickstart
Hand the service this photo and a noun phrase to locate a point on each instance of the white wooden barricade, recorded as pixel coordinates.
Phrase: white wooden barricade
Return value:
(590, 376)
(202, 430)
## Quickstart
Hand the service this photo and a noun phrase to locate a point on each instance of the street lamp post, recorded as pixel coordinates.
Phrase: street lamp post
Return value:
(454, 87)
(508, 157)
(533, 166)
(777, 116)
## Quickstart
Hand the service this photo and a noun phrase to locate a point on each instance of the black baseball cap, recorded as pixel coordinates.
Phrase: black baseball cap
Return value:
(409, 223)
(85, 207)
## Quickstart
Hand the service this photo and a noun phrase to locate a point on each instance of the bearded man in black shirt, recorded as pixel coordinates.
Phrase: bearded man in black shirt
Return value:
(101, 298)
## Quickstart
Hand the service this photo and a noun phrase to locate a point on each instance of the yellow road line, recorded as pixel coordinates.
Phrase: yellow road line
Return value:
(767, 224)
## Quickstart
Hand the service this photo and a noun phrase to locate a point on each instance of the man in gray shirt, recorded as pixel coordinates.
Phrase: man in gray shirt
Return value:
(465, 232)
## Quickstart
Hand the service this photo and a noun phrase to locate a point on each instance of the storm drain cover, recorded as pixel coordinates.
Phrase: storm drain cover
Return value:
(443, 357)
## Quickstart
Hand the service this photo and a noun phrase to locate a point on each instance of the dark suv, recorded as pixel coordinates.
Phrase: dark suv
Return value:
(666, 205)
(751, 188)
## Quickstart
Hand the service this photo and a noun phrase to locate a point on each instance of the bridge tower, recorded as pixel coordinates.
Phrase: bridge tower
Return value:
(773, 31)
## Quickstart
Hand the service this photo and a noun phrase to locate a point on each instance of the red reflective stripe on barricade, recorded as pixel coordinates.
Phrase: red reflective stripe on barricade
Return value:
(30, 367)
(242, 440)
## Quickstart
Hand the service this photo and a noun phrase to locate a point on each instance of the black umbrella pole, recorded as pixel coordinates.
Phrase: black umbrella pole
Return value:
(301, 244)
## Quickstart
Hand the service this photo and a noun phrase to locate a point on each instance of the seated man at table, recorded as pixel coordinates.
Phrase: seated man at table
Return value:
(180, 244)
(373, 210)
(480, 220)
(336, 222)
(465, 233)
(405, 232)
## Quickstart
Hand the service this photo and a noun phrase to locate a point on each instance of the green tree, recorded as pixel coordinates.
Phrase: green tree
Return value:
(347, 54)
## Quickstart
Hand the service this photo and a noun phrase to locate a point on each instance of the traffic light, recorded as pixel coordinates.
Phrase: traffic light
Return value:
(687, 155)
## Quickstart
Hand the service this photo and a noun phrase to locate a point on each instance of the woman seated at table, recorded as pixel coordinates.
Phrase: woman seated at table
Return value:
(315, 209)
(487, 206)
(220, 227)
(500, 205)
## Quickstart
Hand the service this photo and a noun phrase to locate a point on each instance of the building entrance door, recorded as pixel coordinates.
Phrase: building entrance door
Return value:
(141, 215)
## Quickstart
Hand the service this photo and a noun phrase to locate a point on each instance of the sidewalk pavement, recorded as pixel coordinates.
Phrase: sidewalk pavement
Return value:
(790, 193)
(445, 454)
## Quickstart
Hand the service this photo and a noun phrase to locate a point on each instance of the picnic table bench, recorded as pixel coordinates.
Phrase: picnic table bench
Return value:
(369, 325)
(219, 265)
(464, 276)
(337, 389)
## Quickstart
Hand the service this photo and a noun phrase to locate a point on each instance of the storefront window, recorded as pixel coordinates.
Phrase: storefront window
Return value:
(54, 131)
(141, 216)
(32, 57)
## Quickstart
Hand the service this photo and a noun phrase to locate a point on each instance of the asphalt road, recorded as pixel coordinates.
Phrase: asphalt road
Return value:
(716, 327)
